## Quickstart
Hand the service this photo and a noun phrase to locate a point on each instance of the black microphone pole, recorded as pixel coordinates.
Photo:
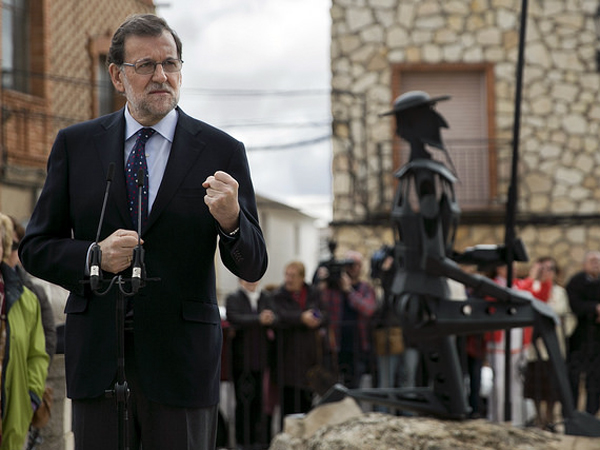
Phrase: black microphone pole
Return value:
(138, 252)
(96, 253)
(121, 389)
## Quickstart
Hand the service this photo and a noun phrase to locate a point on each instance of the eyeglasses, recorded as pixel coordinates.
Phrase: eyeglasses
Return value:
(147, 66)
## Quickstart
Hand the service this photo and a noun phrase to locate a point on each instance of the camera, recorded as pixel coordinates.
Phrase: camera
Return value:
(335, 267)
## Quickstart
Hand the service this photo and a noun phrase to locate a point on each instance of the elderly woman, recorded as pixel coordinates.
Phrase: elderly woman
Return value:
(24, 361)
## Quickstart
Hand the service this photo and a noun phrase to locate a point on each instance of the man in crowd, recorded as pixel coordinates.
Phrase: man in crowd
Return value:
(250, 315)
(349, 302)
(583, 356)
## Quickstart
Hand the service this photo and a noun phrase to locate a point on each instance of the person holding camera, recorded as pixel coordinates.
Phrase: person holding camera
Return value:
(350, 302)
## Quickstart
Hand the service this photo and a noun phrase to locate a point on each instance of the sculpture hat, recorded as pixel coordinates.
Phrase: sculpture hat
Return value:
(412, 99)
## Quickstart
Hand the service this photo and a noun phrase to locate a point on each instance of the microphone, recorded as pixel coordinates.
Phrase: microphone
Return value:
(96, 253)
(138, 251)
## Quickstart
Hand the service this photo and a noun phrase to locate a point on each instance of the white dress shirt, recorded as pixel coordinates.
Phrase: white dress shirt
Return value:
(158, 148)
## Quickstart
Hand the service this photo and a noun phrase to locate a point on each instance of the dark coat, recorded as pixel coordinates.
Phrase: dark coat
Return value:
(296, 343)
(250, 342)
(584, 296)
(177, 322)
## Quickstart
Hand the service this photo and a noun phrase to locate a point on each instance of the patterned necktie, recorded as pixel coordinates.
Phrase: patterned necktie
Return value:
(135, 162)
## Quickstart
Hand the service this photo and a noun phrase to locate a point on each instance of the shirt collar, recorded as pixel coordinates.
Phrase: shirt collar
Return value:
(166, 127)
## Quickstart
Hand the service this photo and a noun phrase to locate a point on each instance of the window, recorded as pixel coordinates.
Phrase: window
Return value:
(470, 136)
(108, 100)
(105, 98)
(16, 45)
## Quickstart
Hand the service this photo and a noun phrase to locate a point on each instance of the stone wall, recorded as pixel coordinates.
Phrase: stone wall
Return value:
(559, 171)
(566, 243)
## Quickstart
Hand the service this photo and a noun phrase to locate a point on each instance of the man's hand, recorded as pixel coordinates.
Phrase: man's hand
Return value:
(345, 283)
(309, 319)
(117, 250)
(222, 200)
(266, 317)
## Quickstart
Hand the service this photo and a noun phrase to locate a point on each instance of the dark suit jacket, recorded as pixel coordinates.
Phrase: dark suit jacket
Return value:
(298, 350)
(250, 343)
(584, 296)
(177, 324)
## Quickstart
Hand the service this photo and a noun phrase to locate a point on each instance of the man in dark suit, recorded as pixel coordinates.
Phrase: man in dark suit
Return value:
(249, 312)
(199, 195)
(583, 356)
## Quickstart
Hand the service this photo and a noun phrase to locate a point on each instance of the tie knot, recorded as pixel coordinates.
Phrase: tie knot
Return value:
(145, 133)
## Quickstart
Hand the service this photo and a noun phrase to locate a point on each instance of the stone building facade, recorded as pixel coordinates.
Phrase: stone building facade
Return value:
(376, 45)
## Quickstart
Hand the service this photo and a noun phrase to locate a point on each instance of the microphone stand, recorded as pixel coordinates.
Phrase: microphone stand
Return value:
(120, 391)
(96, 253)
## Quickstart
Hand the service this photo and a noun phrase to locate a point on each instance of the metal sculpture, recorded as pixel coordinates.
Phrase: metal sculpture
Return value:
(425, 215)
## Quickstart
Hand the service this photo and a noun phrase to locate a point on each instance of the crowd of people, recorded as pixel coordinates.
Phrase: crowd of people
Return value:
(535, 395)
(306, 337)
(297, 339)
(290, 343)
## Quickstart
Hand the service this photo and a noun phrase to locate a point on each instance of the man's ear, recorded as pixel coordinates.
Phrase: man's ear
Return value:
(116, 76)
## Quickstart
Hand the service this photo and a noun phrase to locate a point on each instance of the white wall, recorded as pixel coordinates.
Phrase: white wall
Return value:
(289, 235)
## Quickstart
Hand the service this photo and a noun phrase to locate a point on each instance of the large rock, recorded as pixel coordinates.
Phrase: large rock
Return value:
(377, 431)
(304, 426)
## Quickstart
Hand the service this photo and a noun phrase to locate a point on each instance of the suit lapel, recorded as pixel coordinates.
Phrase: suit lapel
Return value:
(110, 144)
(185, 150)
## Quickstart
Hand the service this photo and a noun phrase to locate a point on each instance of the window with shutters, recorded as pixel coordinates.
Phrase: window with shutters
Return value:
(15, 45)
(469, 114)
(22, 46)
(105, 97)
(109, 100)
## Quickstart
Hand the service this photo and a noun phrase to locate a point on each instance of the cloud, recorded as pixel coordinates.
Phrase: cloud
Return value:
(280, 40)
(265, 47)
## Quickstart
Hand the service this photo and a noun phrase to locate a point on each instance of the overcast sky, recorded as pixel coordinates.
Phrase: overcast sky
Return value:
(259, 69)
